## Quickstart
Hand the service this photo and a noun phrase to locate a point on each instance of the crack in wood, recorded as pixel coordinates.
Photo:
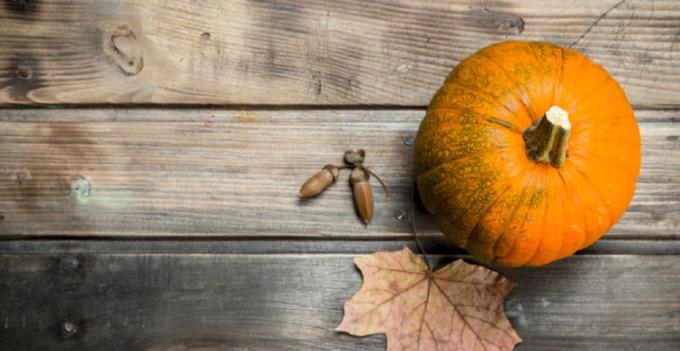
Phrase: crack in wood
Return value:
(592, 25)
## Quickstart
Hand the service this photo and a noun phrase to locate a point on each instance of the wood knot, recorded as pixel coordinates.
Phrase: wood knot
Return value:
(81, 187)
(24, 72)
(120, 45)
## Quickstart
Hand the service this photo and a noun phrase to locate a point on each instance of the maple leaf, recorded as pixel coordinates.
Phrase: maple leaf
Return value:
(459, 307)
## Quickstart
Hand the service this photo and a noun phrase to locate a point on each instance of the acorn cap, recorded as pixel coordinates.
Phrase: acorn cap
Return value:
(354, 157)
(359, 174)
(333, 169)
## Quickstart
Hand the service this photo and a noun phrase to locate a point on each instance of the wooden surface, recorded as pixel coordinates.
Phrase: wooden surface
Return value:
(191, 173)
(123, 301)
(153, 205)
(311, 52)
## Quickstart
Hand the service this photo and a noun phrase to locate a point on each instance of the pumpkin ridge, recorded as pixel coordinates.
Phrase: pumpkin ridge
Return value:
(461, 219)
(529, 184)
(589, 95)
(607, 139)
(484, 117)
(505, 124)
(599, 195)
(593, 122)
(471, 89)
(543, 46)
(450, 132)
(492, 203)
(423, 173)
(456, 158)
(522, 199)
(578, 200)
(541, 233)
(586, 97)
(572, 200)
(558, 82)
(520, 85)
(616, 163)
(447, 127)
(578, 68)
(549, 209)
(509, 220)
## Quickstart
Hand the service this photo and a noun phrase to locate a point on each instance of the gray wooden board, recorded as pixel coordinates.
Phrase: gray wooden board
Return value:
(172, 302)
(310, 52)
(236, 173)
(435, 244)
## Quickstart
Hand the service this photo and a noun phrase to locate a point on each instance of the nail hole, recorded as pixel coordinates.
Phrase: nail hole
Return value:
(24, 72)
(409, 140)
(69, 328)
(70, 263)
(21, 177)
(400, 216)
(205, 36)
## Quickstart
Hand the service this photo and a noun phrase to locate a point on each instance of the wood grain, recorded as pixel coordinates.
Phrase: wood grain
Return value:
(310, 52)
(171, 302)
(232, 173)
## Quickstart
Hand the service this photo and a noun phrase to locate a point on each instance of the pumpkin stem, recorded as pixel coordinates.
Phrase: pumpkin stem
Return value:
(548, 137)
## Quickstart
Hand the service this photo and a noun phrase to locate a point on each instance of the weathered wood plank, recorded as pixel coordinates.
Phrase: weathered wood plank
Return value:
(229, 173)
(435, 245)
(310, 52)
(292, 302)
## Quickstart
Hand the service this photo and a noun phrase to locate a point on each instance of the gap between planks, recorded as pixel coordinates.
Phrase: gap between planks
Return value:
(434, 245)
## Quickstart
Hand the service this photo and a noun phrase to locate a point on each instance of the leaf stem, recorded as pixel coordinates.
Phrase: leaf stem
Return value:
(387, 192)
(415, 235)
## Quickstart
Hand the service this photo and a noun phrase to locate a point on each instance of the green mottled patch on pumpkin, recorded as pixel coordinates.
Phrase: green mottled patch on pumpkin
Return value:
(462, 142)
(536, 197)
(447, 192)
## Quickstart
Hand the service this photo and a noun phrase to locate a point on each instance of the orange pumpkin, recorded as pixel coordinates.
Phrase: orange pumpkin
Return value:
(528, 153)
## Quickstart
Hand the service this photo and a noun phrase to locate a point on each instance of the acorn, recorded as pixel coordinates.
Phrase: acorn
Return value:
(363, 195)
(320, 181)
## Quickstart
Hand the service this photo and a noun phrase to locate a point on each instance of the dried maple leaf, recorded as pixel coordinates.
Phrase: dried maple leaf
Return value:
(459, 307)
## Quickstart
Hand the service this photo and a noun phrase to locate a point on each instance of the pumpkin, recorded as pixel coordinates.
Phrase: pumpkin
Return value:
(528, 153)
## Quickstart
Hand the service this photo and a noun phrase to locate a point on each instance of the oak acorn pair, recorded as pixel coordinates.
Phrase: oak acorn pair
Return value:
(359, 180)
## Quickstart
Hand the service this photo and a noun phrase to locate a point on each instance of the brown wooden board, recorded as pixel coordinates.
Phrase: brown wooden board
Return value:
(124, 301)
(236, 173)
(310, 52)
